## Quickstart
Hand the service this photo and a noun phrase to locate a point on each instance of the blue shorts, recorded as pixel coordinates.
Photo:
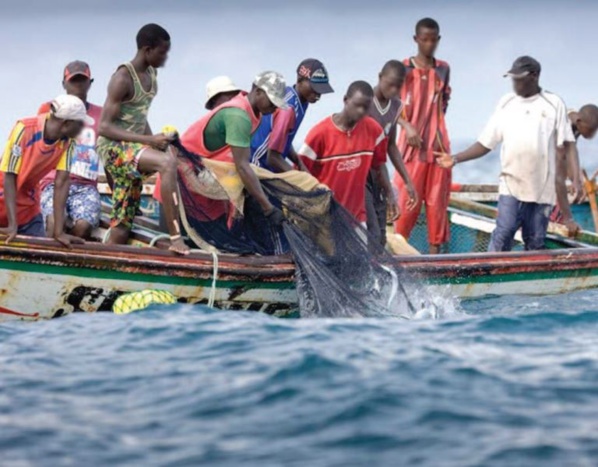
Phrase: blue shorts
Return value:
(33, 228)
(83, 203)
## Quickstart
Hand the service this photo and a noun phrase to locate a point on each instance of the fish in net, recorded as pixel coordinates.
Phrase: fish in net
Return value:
(339, 273)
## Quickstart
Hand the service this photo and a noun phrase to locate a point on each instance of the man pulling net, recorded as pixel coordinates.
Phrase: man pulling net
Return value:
(337, 273)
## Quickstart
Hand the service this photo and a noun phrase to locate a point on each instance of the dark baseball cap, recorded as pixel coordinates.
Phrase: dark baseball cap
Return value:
(524, 66)
(315, 71)
(76, 68)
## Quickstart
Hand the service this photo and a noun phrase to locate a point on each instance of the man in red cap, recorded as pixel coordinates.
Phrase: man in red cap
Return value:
(83, 205)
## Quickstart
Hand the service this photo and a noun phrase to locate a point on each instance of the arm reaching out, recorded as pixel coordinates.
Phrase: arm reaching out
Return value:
(475, 151)
(252, 184)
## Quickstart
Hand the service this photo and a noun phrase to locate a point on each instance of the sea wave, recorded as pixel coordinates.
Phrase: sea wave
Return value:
(506, 381)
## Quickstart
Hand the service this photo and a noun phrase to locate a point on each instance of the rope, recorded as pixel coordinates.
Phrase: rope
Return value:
(158, 238)
(212, 297)
(106, 236)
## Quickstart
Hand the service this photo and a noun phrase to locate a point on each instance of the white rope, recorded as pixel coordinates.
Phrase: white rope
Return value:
(212, 298)
(158, 238)
(106, 236)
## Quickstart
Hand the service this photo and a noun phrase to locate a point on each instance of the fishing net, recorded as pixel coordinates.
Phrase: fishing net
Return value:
(337, 274)
(136, 301)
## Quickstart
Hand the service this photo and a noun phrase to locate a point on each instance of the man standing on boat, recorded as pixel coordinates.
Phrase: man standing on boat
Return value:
(36, 146)
(386, 108)
(272, 143)
(83, 204)
(425, 96)
(128, 148)
(533, 128)
(341, 149)
(584, 122)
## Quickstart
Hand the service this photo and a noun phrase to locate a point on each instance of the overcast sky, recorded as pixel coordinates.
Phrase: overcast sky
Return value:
(480, 39)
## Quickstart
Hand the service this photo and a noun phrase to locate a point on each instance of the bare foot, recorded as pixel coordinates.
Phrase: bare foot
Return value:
(435, 249)
(179, 247)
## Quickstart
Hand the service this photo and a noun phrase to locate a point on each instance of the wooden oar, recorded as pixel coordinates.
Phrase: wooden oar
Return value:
(590, 188)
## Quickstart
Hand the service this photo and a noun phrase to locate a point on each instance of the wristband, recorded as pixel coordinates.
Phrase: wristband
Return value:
(455, 161)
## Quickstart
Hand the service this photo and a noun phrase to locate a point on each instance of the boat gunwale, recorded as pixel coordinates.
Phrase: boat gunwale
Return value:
(161, 263)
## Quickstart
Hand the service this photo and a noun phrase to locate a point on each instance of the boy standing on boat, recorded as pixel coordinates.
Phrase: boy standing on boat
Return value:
(83, 203)
(272, 143)
(386, 108)
(128, 149)
(36, 146)
(425, 96)
(534, 130)
(341, 149)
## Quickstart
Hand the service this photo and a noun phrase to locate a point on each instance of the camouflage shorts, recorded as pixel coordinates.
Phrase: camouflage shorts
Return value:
(120, 161)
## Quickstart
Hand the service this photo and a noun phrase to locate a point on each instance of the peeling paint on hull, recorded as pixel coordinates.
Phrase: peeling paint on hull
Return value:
(38, 279)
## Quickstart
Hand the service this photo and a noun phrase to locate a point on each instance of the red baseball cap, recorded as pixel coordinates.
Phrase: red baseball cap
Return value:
(76, 68)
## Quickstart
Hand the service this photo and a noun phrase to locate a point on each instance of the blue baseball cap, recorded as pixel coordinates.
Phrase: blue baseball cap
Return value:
(315, 71)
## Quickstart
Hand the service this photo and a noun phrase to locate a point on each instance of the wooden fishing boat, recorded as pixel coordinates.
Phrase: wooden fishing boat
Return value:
(488, 194)
(41, 279)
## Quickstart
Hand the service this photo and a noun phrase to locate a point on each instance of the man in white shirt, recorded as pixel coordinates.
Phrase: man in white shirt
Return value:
(534, 130)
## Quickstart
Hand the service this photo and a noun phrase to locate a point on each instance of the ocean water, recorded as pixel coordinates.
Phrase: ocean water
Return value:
(505, 381)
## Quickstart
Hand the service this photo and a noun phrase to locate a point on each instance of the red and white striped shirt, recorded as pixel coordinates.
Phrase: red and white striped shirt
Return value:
(425, 97)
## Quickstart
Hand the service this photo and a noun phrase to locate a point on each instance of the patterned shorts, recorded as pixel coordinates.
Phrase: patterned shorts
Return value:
(121, 160)
(83, 203)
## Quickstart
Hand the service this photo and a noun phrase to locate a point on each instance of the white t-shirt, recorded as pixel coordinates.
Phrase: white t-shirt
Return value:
(530, 129)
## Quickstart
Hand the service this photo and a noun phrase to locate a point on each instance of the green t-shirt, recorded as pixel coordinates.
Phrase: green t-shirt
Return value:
(229, 126)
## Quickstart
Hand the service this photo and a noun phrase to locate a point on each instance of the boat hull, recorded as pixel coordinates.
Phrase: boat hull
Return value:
(38, 279)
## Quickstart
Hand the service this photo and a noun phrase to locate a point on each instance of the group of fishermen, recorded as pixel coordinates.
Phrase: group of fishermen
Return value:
(50, 166)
